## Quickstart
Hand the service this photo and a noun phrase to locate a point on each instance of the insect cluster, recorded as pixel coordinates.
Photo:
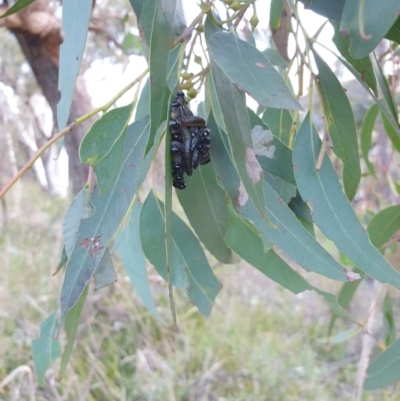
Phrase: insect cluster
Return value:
(190, 141)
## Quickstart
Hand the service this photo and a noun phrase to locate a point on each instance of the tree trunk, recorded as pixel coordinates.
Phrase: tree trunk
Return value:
(39, 34)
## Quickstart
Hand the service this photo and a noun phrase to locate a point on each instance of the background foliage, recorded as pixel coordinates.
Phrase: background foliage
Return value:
(295, 183)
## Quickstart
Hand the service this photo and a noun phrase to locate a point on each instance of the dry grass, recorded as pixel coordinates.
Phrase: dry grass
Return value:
(260, 343)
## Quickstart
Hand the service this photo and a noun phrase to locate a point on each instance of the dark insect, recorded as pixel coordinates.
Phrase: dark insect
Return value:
(190, 141)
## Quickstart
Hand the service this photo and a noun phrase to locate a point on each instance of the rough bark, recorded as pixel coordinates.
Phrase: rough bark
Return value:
(39, 34)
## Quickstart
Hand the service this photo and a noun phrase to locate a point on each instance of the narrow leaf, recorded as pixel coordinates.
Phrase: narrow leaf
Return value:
(71, 327)
(160, 41)
(105, 273)
(189, 269)
(367, 127)
(131, 254)
(289, 234)
(75, 25)
(205, 206)
(96, 231)
(332, 212)
(248, 69)
(389, 326)
(362, 65)
(385, 370)
(45, 350)
(340, 120)
(279, 122)
(376, 23)
(18, 6)
(391, 133)
(103, 145)
(384, 225)
(62, 262)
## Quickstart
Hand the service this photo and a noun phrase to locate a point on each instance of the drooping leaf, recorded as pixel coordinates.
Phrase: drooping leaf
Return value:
(384, 225)
(289, 234)
(62, 262)
(75, 25)
(96, 231)
(248, 69)
(332, 212)
(245, 241)
(279, 122)
(131, 254)
(389, 326)
(302, 212)
(385, 369)
(71, 327)
(18, 6)
(275, 14)
(367, 127)
(103, 145)
(343, 336)
(391, 132)
(391, 113)
(189, 268)
(376, 23)
(362, 65)
(205, 206)
(280, 16)
(45, 350)
(161, 21)
(284, 189)
(105, 273)
(340, 120)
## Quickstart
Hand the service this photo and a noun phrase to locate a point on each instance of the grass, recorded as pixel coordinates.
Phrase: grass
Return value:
(261, 342)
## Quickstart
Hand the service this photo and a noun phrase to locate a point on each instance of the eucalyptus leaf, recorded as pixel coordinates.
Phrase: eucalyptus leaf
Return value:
(75, 26)
(103, 145)
(96, 231)
(45, 350)
(17, 6)
(340, 121)
(189, 268)
(205, 206)
(332, 212)
(132, 256)
(367, 127)
(251, 72)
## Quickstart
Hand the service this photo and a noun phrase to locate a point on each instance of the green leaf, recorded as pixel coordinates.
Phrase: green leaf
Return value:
(384, 225)
(394, 32)
(75, 25)
(96, 231)
(161, 19)
(346, 294)
(327, 8)
(18, 6)
(131, 254)
(384, 89)
(385, 370)
(391, 132)
(233, 107)
(45, 350)
(332, 212)
(284, 189)
(302, 212)
(205, 206)
(279, 122)
(103, 145)
(367, 127)
(71, 327)
(340, 120)
(62, 262)
(362, 65)
(275, 14)
(376, 23)
(105, 273)
(244, 240)
(389, 325)
(189, 268)
(343, 336)
(248, 69)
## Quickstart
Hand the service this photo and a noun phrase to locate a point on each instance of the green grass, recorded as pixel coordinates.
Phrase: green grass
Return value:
(260, 343)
